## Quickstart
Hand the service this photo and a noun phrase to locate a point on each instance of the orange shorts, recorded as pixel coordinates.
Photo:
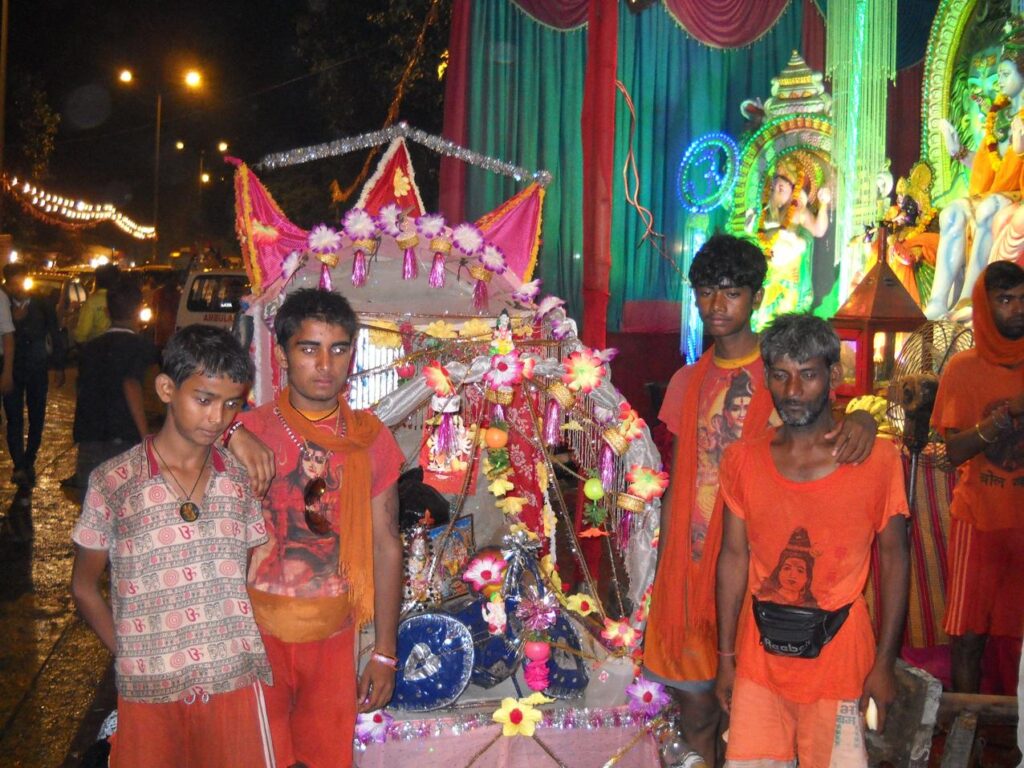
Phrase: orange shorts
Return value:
(985, 592)
(765, 727)
(312, 704)
(229, 730)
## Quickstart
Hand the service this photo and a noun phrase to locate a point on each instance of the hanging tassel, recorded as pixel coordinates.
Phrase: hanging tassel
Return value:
(629, 509)
(325, 278)
(365, 247)
(553, 424)
(606, 466)
(445, 435)
(441, 247)
(480, 296)
(408, 241)
(498, 398)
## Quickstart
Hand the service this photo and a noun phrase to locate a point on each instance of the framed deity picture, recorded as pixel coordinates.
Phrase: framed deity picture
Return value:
(458, 549)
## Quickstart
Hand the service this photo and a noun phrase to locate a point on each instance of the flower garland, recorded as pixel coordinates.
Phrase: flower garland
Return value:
(989, 140)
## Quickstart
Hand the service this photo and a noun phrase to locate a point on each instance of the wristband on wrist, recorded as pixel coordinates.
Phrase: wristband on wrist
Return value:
(727, 653)
(235, 426)
(383, 658)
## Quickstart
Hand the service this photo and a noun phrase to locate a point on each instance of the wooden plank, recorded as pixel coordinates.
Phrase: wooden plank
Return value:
(960, 741)
(989, 709)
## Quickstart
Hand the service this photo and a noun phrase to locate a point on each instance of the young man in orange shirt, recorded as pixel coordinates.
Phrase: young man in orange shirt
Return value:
(797, 655)
(333, 561)
(707, 406)
(979, 409)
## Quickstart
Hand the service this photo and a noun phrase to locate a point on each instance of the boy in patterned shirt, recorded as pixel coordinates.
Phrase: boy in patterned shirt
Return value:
(176, 520)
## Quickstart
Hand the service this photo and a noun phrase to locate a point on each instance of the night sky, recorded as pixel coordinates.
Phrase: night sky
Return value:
(257, 94)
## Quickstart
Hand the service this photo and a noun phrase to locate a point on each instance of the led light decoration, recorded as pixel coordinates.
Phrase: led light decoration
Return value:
(70, 214)
(707, 172)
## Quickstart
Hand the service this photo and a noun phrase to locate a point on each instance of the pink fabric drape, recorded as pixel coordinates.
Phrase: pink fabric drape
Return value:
(598, 134)
(561, 14)
(453, 170)
(726, 23)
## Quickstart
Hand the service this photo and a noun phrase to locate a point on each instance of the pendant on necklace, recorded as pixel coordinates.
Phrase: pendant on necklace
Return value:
(189, 511)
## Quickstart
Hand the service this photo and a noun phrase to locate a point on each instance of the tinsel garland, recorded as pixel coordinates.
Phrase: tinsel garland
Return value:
(568, 718)
(860, 61)
(439, 144)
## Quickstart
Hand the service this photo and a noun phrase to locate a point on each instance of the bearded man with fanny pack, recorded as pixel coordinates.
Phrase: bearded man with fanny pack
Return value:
(798, 660)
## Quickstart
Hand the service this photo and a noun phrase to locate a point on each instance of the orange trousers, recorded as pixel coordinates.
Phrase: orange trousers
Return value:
(312, 704)
(228, 730)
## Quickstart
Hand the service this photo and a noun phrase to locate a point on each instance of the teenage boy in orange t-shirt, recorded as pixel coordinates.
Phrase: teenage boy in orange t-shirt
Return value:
(798, 530)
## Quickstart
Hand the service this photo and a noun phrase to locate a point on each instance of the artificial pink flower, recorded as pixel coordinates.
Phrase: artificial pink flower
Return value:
(506, 371)
(389, 218)
(493, 259)
(430, 225)
(646, 482)
(583, 371)
(484, 570)
(359, 224)
(372, 727)
(527, 292)
(529, 363)
(438, 379)
(468, 238)
(646, 697)
(323, 239)
(620, 634)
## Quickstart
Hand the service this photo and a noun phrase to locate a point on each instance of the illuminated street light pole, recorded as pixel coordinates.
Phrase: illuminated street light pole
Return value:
(193, 80)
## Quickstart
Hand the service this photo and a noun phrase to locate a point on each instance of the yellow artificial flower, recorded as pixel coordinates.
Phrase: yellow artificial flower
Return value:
(476, 328)
(517, 718)
(511, 505)
(384, 333)
(548, 519)
(521, 528)
(542, 474)
(439, 329)
(400, 183)
(582, 604)
(547, 568)
(500, 486)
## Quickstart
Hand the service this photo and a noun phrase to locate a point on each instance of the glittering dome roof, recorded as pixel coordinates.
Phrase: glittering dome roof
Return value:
(798, 90)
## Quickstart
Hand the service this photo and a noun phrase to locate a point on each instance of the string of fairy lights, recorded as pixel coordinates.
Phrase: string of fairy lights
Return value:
(70, 214)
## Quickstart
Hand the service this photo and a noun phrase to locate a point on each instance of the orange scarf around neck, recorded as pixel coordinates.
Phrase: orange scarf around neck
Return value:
(992, 345)
(355, 525)
(680, 578)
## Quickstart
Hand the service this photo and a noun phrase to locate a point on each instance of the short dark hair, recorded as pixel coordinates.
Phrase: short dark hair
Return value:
(725, 259)
(1003, 275)
(313, 304)
(107, 276)
(799, 337)
(13, 269)
(207, 351)
(124, 300)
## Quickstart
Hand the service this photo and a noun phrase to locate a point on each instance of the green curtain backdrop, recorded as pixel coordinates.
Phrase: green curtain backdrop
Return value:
(524, 102)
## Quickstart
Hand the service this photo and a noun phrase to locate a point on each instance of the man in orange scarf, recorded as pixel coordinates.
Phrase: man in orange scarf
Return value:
(978, 409)
(333, 561)
(707, 406)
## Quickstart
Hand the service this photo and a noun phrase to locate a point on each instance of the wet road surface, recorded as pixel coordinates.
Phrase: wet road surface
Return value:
(54, 686)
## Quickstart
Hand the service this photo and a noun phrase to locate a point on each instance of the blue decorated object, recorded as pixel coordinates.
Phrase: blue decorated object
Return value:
(435, 662)
(495, 656)
(567, 672)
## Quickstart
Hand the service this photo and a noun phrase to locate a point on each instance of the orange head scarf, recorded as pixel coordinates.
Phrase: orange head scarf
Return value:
(355, 526)
(991, 344)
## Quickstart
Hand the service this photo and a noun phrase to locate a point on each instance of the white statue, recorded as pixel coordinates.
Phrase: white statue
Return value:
(995, 178)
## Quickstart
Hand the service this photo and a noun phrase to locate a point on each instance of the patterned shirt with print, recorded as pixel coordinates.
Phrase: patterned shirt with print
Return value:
(182, 618)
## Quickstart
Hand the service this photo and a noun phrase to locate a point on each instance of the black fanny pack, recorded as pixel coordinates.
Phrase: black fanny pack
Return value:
(790, 630)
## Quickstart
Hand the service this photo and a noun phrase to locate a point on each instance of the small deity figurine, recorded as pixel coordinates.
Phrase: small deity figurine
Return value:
(994, 181)
(912, 241)
(501, 341)
(785, 228)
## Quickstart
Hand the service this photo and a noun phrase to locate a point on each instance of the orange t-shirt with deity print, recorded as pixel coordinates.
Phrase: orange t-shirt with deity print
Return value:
(810, 545)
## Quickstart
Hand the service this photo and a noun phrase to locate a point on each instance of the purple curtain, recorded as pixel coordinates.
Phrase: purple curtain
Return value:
(560, 14)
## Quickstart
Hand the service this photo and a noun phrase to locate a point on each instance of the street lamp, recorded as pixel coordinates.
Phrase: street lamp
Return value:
(193, 80)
